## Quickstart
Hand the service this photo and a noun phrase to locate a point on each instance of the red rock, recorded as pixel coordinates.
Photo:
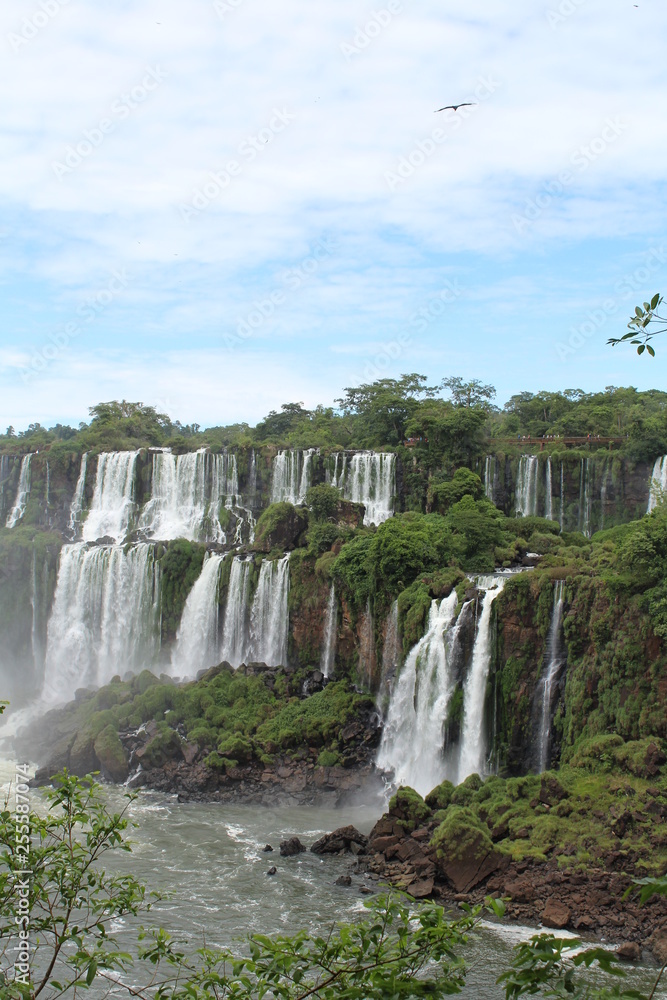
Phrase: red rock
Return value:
(421, 889)
(556, 914)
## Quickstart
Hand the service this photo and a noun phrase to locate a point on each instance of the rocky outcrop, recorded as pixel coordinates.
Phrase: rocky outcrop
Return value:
(290, 847)
(346, 838)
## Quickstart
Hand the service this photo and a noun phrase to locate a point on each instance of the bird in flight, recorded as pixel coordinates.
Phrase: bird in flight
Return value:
(455, 107)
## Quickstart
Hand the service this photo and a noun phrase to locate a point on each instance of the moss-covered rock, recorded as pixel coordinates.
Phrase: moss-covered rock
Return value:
(280, 527)
(409, 809)
(111, 755)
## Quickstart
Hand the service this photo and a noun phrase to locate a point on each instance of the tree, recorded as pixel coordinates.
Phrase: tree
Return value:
(473, 393)
(384, 407)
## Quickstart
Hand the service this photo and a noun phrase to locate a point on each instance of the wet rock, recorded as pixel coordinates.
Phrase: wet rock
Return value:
(630, 951)
(268, 849)
(365, 891)
(272, 871)
(343, 880)
(346, 838)
(556, 914)
(658, 943)
(291, 846)
(551, 791)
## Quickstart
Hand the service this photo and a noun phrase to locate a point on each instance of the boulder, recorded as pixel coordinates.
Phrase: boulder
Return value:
(658, 943)
(421, 889)
(342, 839)
(272, 871)
(111, 755)
(279, 527)
(343, 880)
(268, 849)
(556, 914)
(291, 846)
(630, 951)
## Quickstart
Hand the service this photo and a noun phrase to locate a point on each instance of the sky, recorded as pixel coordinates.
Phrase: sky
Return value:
(219, 206)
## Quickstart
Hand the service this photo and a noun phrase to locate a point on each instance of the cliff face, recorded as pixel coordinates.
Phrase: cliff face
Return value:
(614, 678)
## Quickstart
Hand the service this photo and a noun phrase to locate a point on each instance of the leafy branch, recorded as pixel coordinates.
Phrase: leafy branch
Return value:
(639, 331)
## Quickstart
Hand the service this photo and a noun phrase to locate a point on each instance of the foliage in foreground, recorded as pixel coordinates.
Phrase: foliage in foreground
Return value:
(397, 949)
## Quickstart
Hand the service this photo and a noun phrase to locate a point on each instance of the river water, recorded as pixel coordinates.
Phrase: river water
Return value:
(209, 858)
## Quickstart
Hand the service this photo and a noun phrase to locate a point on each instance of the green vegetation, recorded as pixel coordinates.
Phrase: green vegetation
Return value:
(606, 799)
(243, 718)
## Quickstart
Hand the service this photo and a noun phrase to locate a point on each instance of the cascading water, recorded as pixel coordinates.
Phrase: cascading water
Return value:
(554, 663)
(472, 754)
(178, 496)
(269, 617)
(105, 617)
(489, 476)
(585, 499)
(330, 628)
(526, 485)
(197, 637)
(76, 507)
(235, 624)
(22, 493)
(548, 507)
(391, 658)
(562, 497)
(657, 487)
(4, 477)
(292, 475)
(112, 506)
(412, 740)
(370, 480)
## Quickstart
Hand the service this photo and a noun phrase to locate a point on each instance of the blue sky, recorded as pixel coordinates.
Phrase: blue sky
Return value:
(220, 206)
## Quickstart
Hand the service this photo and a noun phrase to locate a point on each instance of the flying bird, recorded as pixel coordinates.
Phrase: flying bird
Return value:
(455, 107)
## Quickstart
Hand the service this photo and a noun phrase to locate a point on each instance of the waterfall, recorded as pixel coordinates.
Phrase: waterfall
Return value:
(370, 480)
(197, 636)
(105, 618)
(4, 476)
(472, 755)
(292, 475)
(412, 740)
(548, 509)
(76, 507)
(489, 476)
(112, 505)
(605, 482)
(22, 493)
(584, 499)
(337, 477)
(36, 642)
(657, 487)
(224, 491)
(269, 617)
(330, 627)
(562, 497)
(235, 623)
(526, 486)
(178, 496)
(554, 662)
(48, 484)
(391, 658)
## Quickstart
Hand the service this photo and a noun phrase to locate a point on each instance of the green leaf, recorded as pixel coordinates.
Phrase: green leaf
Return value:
(655, 300)
(650, 350)
(641, 349)
(92, 972)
